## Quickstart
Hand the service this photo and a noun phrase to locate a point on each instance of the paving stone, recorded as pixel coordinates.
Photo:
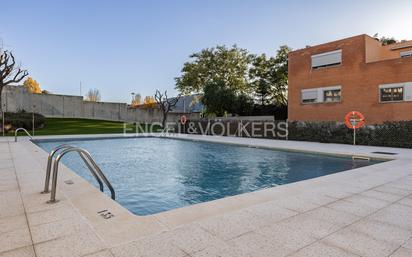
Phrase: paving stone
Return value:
(49, 231)
(360, 243)
(11, 210)
(393, 190)
(382, 231)
(104, 253)
(396, 214)
(191, 238)
(402, 252)
(381, 195)
(408, 244)
(290, 238)
(296, 204)
(406, 201)
(79, 244)
(151, 246)
(270, 212)
(257, 245)
(26, 251)
(321, 249)
(320, 222)
(221, 249)
(232, 224)
(12, 223)
(51, 215)
(352, 208)
(368, 202)
(14, 239)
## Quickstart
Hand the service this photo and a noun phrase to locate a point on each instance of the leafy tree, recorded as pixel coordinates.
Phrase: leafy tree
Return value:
(243, 105)
(279, 92)
(215, 65)
(9, 72)
(385, 40)
(218, 98)
(165, 104)
(228, 76)
(269, 77)
(137, 100)
(260, 78)
(32, 86)
(93, 95)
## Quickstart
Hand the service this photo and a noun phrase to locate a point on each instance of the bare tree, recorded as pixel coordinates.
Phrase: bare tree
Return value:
(93, 95)
(10, 73)
(165, 104)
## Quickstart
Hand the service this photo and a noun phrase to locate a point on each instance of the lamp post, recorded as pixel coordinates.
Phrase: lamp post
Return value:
(131, 103)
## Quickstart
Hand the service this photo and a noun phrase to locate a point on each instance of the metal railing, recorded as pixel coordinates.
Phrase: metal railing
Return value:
(17, 130)
(87, 159)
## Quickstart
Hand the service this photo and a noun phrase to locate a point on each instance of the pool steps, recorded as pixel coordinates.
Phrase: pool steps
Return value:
(358, 157)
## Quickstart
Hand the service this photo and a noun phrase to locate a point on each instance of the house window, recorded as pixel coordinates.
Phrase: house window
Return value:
(406, 54)
(322, 95)
(309, 96)
(391, 94)
(328, 59)
(331, 96)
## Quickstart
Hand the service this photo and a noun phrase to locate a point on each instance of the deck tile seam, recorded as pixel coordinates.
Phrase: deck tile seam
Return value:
(356, 221)
(21, 198)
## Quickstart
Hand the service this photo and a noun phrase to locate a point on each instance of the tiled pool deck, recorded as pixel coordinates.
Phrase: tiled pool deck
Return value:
(362, 212)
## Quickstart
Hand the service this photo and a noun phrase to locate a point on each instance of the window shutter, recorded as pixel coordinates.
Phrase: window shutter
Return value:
(327, 59)
(406, 54)
(310, 94)
(408, 91)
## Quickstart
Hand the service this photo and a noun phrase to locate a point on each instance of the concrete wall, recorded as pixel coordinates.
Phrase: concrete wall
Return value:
(65, 106)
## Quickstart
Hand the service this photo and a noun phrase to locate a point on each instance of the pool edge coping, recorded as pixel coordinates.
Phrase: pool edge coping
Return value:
(222, 205)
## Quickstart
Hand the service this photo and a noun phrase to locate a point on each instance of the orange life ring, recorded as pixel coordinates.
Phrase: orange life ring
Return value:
(354, 120)
(183, 119)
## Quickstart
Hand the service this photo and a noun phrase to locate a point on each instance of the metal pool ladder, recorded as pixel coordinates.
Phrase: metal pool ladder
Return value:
(87, 159)
(17, 130)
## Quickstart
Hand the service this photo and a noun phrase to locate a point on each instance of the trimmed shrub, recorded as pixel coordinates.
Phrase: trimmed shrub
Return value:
(393, 134)
(390, 134)
(23, 120)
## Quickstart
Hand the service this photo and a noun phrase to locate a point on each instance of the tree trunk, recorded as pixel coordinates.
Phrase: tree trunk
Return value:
(164, 119)
(1, 94)
(1, 110)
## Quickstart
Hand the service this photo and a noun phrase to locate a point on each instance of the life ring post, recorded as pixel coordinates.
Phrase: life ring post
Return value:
(354, 120)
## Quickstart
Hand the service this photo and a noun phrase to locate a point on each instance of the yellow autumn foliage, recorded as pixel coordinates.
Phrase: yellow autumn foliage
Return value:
(32, 86)
(149, 102)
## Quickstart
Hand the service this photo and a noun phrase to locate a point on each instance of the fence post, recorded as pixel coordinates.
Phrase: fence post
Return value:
(32, 119)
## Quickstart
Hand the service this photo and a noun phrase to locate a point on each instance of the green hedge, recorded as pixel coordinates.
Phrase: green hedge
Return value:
(23, 120)
(392, 134)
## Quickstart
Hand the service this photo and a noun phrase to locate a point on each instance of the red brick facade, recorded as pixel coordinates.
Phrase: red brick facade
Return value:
(365, 66)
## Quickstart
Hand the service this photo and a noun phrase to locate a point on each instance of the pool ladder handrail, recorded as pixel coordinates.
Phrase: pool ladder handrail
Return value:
(88, 160)
(23, 129)
(50, 162)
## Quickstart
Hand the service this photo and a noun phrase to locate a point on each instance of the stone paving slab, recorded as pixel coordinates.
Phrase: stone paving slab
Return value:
(361, 212)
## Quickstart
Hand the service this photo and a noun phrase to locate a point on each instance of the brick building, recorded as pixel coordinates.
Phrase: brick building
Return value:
(358, 73)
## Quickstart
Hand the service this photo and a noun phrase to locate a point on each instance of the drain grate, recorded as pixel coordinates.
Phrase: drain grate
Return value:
(388, 153)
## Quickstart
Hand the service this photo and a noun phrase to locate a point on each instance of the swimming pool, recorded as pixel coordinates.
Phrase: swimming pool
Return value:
(151, 175)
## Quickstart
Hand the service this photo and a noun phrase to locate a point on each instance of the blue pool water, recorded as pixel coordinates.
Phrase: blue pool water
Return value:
(152, 175)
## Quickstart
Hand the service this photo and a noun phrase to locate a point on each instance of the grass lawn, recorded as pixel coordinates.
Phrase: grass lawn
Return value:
(63, 126)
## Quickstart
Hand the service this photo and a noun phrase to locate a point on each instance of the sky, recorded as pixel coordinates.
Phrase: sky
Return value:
(120, 47)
